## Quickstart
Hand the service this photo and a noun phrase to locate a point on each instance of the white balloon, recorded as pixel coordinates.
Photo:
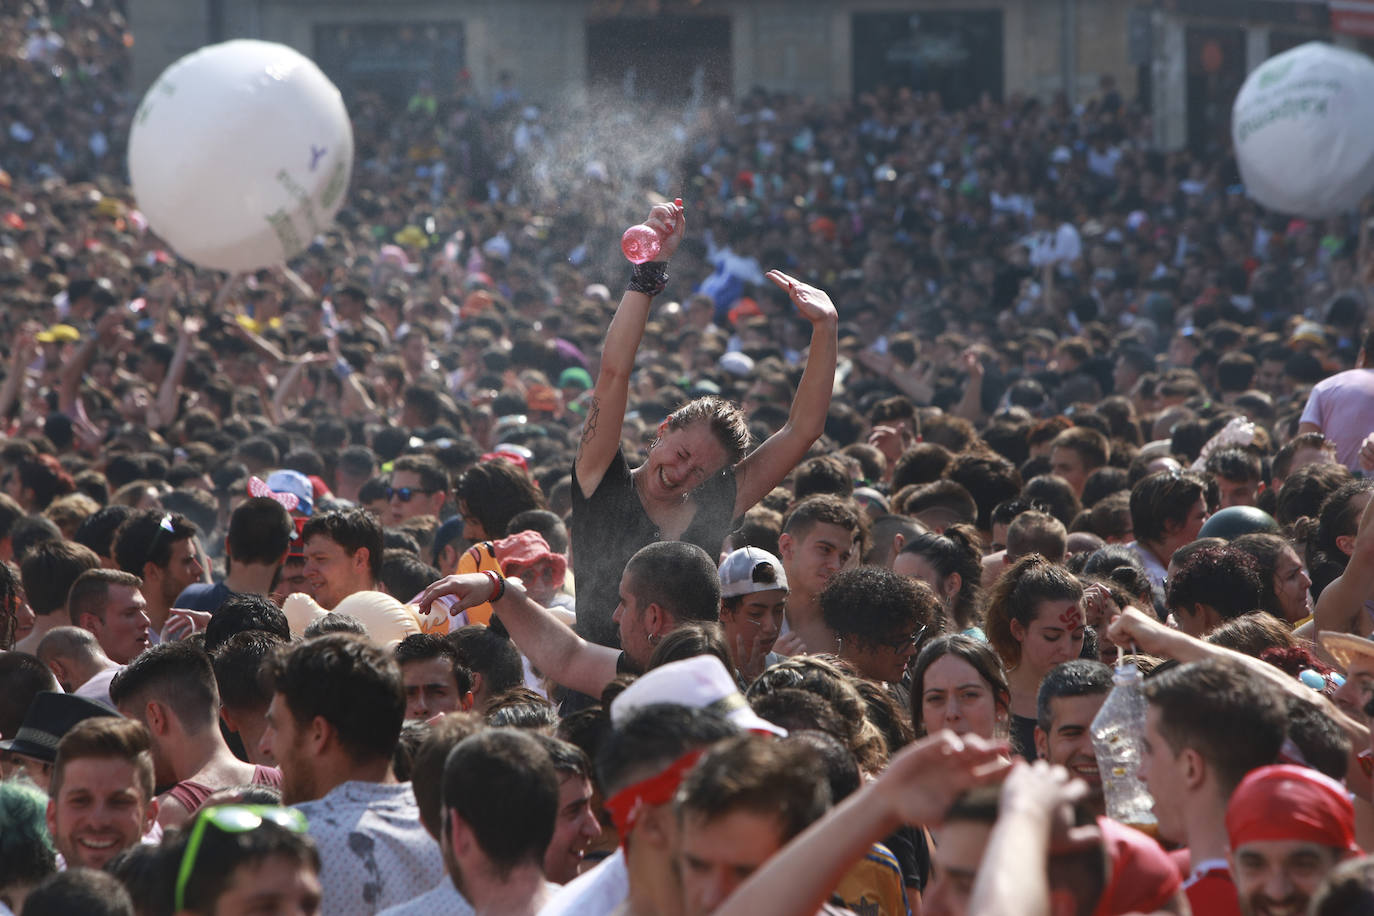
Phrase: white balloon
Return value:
(240, 154)
(1303, 130)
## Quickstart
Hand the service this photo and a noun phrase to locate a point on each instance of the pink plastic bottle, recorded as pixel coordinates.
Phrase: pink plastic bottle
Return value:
(642, 243)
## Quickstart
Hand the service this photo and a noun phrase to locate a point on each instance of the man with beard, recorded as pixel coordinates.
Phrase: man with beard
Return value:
(100, 798)
(1069, 699)
(1288, 827)
(336, 713)
(500, 800)
(161, 549)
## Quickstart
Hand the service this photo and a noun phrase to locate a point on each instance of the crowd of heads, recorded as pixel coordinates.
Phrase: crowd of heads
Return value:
(1088, 411)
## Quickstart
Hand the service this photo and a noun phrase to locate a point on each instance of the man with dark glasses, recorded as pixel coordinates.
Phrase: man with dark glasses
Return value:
(242, 859)
(419, 486)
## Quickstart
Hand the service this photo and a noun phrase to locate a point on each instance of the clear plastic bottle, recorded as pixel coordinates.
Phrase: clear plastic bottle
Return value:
(1118, 734)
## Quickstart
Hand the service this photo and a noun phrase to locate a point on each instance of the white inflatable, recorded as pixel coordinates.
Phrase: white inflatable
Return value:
(1303, 130)
(240, 154)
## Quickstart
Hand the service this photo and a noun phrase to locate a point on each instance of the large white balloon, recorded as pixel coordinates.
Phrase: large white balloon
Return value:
(1303, 130)
(240, 154)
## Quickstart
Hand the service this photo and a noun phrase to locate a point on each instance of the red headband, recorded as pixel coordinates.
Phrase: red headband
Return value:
(626, 805)
(1291, 803)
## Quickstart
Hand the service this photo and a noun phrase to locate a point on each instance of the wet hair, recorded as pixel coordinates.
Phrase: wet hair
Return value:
(955, 551)
(978, 654)
(726, 422)
(1017, 597)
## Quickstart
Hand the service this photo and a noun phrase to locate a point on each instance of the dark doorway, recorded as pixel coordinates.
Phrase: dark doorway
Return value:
(660, 59)
(390, 58)
(958, 55)
(1216, 69)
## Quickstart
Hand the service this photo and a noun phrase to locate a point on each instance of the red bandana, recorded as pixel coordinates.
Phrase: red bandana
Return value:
(626, 805)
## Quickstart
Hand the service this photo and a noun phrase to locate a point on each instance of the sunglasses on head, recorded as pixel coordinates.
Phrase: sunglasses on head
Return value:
(405, 494)
(231, 819)
(164, 526)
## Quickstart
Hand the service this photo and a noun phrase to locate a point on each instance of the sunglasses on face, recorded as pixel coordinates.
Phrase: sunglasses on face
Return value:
(231, 819)
(405, 494)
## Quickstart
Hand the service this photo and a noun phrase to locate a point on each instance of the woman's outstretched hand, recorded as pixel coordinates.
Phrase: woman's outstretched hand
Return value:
(669, 220)
(815, 306)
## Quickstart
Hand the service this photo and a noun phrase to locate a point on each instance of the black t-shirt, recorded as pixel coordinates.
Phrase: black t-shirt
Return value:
(1023, 737)
(610, 525)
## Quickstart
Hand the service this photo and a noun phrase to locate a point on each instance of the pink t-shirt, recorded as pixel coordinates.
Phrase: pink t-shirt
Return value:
(1342, 407)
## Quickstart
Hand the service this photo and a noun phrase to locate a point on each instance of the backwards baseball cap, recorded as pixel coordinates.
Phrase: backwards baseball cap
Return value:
(1286, 802)
(700, 682)
(295, 483)
(749, 570)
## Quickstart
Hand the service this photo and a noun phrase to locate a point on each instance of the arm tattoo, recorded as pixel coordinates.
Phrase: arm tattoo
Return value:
(589, 427)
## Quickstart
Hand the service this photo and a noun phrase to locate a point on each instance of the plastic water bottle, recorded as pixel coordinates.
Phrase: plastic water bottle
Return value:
(1118, 734)
(642, 243)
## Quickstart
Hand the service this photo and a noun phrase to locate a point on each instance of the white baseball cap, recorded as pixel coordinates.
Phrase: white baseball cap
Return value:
(749, 570)
(700, 682)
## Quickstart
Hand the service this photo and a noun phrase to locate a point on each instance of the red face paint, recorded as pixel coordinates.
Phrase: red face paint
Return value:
(1072, 618)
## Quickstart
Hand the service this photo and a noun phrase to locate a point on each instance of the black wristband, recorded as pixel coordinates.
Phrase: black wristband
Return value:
(649, 278)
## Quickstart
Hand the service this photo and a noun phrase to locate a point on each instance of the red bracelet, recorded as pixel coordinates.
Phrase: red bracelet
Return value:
(498, 585)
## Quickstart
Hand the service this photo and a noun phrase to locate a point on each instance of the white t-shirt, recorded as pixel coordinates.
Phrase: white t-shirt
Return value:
(444, 898)
(596, 893)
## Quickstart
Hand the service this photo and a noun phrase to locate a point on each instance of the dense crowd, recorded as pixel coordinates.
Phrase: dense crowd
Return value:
(431, 574)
